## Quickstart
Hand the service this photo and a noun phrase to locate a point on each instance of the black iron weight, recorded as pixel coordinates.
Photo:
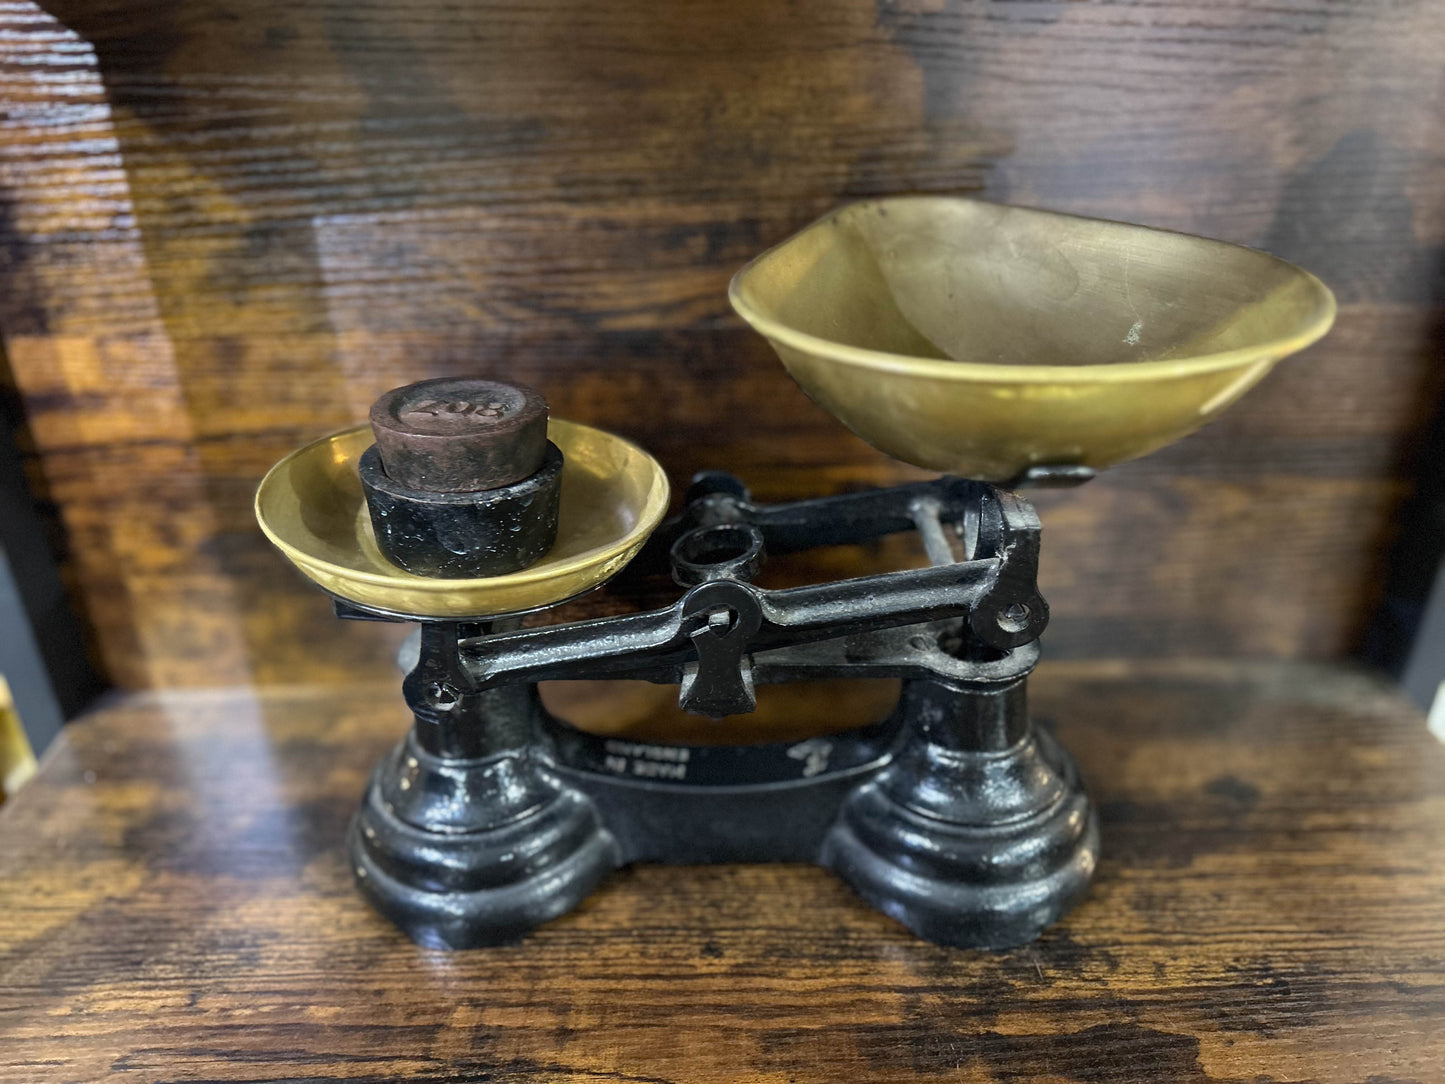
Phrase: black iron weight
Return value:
(462, 481)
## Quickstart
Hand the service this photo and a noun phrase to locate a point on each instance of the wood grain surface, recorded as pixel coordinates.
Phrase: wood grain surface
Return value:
(227, 226)
(1270, 906)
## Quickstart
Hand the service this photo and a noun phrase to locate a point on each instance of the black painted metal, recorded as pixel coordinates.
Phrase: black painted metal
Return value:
(461, 535)
(955, 816)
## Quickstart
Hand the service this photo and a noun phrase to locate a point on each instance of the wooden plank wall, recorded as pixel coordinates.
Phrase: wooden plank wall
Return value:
(227, 226)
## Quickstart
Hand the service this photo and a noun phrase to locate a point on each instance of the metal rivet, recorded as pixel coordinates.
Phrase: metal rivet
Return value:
(1015, 618)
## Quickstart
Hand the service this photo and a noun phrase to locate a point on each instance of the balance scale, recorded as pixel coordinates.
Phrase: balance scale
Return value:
(1000, 346)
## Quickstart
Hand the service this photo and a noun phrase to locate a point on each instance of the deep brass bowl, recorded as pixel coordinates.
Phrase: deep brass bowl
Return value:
(980, 340)
(311, 506)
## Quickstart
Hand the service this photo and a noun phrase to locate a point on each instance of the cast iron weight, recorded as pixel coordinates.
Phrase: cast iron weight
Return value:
(460, 434)
(462, 481)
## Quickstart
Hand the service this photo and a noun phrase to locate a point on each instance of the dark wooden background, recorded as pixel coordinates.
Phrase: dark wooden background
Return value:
(227, 226)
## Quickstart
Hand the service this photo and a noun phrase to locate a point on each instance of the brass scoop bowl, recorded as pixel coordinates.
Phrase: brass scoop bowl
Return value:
(983, 340)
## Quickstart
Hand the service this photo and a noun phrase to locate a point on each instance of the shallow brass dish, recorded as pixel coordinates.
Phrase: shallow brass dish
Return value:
(980, 340)
(310, 505)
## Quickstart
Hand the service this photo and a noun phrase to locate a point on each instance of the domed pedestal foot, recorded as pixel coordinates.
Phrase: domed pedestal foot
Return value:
(464, 838)
(465, 853)
(980, 834)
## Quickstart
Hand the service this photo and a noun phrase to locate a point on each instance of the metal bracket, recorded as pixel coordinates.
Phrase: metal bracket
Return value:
(711, 641)
(720, 681)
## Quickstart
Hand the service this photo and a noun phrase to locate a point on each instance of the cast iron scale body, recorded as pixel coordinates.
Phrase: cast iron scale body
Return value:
(955, 815)
(975, 340)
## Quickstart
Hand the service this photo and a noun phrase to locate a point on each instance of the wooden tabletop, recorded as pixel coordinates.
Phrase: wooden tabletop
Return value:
(1270, 906)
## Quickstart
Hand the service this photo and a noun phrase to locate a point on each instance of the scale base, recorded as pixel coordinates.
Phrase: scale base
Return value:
(976, 849)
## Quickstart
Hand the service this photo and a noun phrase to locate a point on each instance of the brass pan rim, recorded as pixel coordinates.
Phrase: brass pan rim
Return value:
(527, 588)
(1120, 372)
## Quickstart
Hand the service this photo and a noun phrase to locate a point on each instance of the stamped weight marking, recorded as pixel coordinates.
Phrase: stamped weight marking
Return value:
(460, 434)
(431, 409)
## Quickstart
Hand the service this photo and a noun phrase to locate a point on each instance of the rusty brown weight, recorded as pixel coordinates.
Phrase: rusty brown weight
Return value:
(460, 434)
